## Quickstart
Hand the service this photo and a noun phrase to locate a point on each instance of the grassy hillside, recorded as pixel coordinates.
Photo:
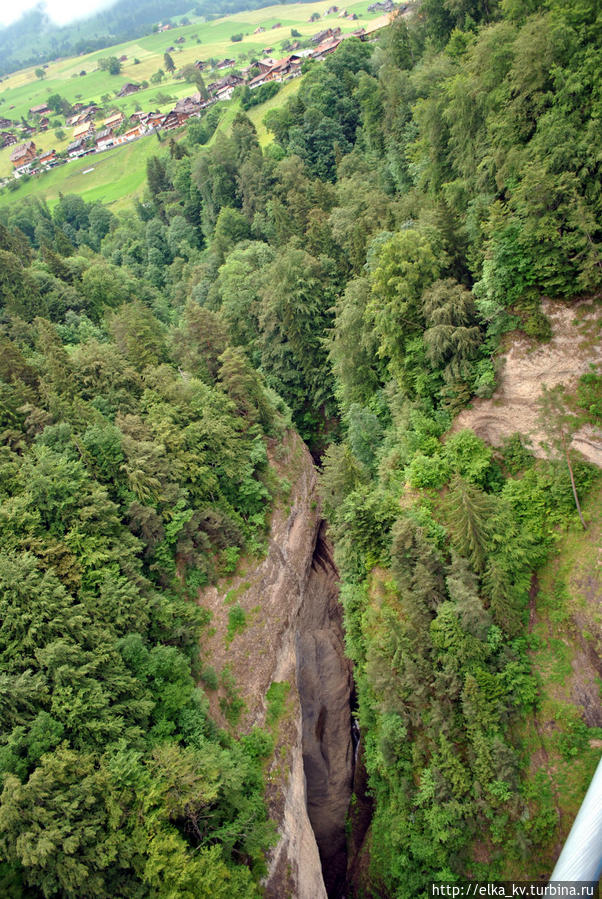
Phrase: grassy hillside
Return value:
(79, 79)
(118, 175)
(114, 177)
(565, 633)
(203, 40)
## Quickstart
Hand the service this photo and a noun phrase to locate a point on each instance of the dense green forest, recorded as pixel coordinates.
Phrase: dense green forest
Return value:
(356, 279)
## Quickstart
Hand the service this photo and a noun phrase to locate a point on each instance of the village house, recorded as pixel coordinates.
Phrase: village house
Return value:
(39, 110)
(185, 108)
(83, 114)
(7, 139)
(6, 123)
(135, 132)
(284, 68)
(384, 6)
(76, 148)
(200, 65)
(105, 139)
(325, 35)
(155, 120)
(225, 64)
(222, 89)
(257, 81)
(128, 89)
(259, 30)
(23, 155)
(325, 48)
(83, 131)
(264, 65)
(47, 157)
(170, 121)
(114, 121)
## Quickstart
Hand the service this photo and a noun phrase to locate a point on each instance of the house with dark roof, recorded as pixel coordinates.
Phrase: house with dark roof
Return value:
(325, 35)
(128, 89)
(76, 148)
(7, 139)
(105, 139)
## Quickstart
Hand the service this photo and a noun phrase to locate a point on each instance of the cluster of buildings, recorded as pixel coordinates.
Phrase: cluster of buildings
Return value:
(90, 136)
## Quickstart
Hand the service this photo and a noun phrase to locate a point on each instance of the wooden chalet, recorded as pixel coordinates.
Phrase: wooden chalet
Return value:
(155, 120)
(47, 157)
(84, 131)
(171, 120)
(23, 154)
(128, 89)
(76, 148)
(289, 66)
(7, 139)
(328, 46)
(6, 123)
(105, 139)
(186, 107)
(114, 121)
(39, 110)
(135, 132)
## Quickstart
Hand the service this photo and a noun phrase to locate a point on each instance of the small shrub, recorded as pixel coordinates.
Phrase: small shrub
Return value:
(428, 471)
(237, 621)
(209, 677)
(276, 699)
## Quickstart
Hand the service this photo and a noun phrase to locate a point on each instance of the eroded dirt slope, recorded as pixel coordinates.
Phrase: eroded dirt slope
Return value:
(575, 345)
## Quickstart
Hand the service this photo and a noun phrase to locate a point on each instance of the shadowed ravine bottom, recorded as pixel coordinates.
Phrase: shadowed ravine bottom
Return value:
(325, 688)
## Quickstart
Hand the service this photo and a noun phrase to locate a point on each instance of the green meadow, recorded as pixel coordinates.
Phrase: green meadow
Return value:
(114, 177)
(79, 79)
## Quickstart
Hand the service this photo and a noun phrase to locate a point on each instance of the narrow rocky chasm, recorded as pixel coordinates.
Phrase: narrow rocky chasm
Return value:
(292, 636)
(324, 681)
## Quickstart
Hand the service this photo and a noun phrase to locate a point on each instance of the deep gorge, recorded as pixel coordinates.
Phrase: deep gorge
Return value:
(324, 679)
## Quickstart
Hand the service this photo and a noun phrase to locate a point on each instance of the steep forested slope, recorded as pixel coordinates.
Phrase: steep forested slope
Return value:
(360, 275)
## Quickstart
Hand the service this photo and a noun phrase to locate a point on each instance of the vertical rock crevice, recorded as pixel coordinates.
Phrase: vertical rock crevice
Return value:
(324, 681)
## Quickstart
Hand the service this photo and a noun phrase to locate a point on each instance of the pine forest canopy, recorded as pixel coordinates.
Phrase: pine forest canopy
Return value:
(354, 280)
